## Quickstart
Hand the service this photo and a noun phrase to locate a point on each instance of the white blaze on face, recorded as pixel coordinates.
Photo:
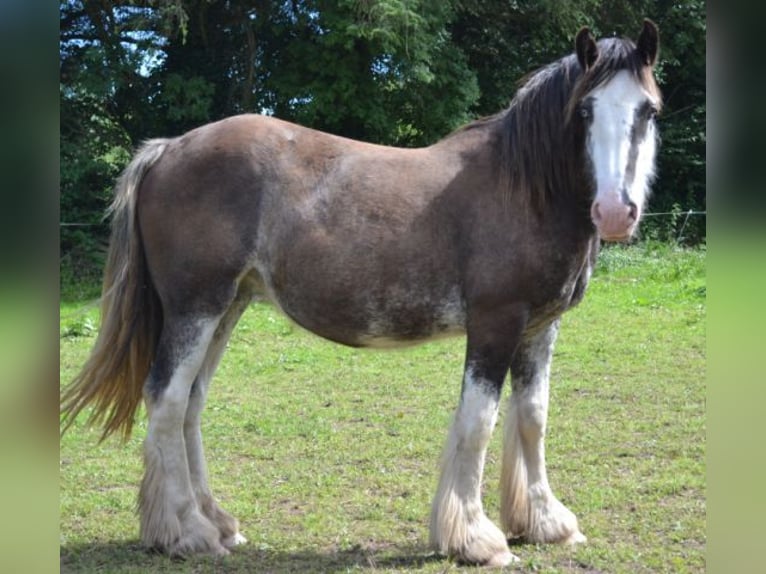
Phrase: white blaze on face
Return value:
(621, 144)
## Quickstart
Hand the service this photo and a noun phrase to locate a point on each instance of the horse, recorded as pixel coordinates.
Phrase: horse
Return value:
(491, 232)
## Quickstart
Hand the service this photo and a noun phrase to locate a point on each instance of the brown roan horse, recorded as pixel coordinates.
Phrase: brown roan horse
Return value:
(491, 232)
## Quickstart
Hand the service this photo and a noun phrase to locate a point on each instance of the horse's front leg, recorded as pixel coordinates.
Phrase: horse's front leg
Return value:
(528, 507)
(459, 526)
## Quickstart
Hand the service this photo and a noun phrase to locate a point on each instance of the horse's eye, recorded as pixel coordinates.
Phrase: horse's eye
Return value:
(584, 112)
(651, 111)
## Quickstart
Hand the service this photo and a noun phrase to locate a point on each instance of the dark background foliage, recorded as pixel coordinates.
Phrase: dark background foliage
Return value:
(399, 72)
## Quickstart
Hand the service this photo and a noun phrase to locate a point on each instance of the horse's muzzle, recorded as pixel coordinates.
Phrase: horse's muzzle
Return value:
(614, 219)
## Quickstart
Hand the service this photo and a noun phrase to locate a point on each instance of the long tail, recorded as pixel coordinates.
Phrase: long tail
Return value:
(131, 317)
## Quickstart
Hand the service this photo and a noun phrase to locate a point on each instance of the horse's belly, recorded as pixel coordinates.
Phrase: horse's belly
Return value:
(405, 321)
(392, 318)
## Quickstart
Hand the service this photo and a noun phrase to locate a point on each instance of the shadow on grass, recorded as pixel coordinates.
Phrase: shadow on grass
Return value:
(130, 556)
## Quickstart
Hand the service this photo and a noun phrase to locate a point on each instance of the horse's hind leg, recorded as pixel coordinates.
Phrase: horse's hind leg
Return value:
(171, 518)
(528, 507)
(227, 525)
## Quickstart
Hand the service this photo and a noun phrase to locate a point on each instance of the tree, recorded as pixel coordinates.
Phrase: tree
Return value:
(681, 167)
(381, 70)
(96, 78)
(401, 72)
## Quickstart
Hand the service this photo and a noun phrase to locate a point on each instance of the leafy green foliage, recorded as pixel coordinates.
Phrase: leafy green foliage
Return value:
(94, 148)
(400, 72)
(97, 95)
(681, 165)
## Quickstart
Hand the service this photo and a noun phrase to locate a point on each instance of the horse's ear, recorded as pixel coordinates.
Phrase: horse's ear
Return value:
(586, 49)
(648, 45)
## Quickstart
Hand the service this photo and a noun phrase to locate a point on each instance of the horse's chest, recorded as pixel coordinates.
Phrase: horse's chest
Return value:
(563, 294)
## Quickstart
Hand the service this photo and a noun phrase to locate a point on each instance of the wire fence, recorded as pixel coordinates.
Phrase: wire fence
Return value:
(685, 214)
(654, 214)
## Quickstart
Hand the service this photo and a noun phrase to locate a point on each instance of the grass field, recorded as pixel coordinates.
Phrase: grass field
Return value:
(328, 455)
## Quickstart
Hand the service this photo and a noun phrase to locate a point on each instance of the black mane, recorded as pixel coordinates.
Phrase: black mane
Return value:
(541, 139)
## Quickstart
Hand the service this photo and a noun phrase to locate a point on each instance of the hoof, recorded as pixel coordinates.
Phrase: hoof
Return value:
(196, 535)
(498, 560)
(550, 522)
(486, 546)
(195, 547)
(576, 537)
(501, 559)
(235, 540)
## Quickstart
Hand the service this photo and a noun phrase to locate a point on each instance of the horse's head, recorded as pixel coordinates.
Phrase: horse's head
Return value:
(616, 102)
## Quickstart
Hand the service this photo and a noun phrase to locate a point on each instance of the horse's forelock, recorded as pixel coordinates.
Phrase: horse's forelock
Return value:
(534, 157)
(615, 55)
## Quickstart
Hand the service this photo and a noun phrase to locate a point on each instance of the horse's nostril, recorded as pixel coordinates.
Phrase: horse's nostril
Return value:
(633, 211)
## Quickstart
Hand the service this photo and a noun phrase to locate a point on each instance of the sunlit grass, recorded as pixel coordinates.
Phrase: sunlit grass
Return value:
(328, 455)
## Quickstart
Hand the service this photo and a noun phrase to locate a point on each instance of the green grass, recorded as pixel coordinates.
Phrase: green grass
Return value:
(328, 455)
